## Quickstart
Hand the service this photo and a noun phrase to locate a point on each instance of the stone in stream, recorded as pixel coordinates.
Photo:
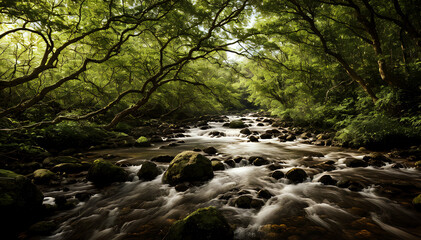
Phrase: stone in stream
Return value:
(237, 124)
(416, 202)
(217, 134)
(163, 158)
(277, 174)
(20, 203)
(238, 159)
(210, 150)
(353, 162)
(71, 167)
(290, 137)
(266, 136)
(253, 139)
(204, 223)
(103, 173)
(245, 131)
(52, 161)
(260, 124)
(43, 228)
(243, 201)
(44, 176)
(397, 165)
(296, 175)
(376, 156)
(188, 166)
(258, 161)
(148, 171)
(217, 165)
(327, 180)
(263, 193)
(230, 162)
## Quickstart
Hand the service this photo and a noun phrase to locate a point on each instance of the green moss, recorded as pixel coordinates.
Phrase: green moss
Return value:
(8, 174)
(237, 124)
(204, 223)
(188, 166)
(143, 142)
(103, 172)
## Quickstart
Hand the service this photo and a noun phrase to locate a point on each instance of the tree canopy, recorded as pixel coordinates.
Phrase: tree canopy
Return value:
(316, 61)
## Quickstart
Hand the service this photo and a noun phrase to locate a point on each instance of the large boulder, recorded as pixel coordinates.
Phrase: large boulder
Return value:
(296, 175)
(210, 150)
(20, 202)
(353, 162)
(205, 223)
(188, 166)
(237, 124)
(44, 176)
(148, 171)
(103, 173)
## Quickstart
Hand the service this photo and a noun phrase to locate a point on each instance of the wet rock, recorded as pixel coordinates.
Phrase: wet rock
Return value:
(416, 202)
(20, 202)
(205, 223)
(377, 156)
(277, 174)
(319, 143)
(217, 165)
(363, 234)
(397, 165)
(83, 196)
(173, 145)
(290, 138)
(142, 142)
(103, 173)
(264, 194)
(274, 166)
(376, 163)
(197, 150)
(181, 187)
(44, 176)
(257, 203)
(205, 127)
(155, 139)
(296, 175)
(210, 150)
(43, 228)
(230, 162)
(350, 184)
(188, 166)
(258, 161)
(253, 139)
(226, 124)
(245, 131)
(237, 124)
(238, 159)
(266, 136)
(260, 124)
(163, 158)
(305, 135)
(148, 171)
(52, 161)
(217, 134)
(243, 201)
(324, 167)
(353, 162)
(327, 180)
(179, 135)
(70, 167)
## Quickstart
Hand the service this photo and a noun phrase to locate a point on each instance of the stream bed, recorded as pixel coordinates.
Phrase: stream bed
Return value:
(308, 210)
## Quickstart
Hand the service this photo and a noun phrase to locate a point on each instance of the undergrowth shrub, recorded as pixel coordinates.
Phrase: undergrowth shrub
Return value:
(377, 132)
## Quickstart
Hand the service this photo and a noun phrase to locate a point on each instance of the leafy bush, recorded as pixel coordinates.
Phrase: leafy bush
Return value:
(66, 135)
(377, 132)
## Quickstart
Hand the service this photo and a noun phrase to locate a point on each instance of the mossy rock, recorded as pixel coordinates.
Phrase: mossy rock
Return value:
(217, 165)
(296, 175)
(52, 161)
(68, 168)
(148, 171)
(44, 176)
(205, 223)
(20, 202)
(237, 124)
(103, 173)
(188, 166)
(143, 142)
(417, 202)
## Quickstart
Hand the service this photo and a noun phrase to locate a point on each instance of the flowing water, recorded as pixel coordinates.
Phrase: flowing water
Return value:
(308, 210)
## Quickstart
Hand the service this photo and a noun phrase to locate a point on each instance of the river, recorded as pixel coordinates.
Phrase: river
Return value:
(309, 210)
